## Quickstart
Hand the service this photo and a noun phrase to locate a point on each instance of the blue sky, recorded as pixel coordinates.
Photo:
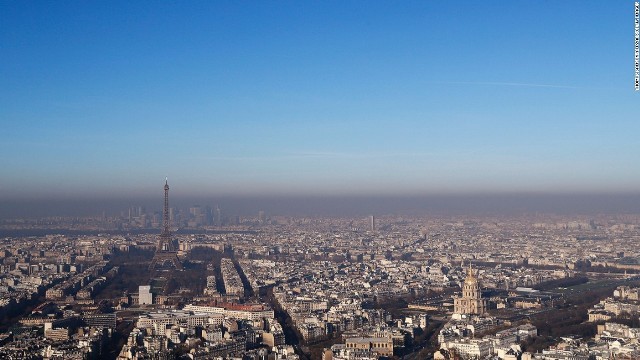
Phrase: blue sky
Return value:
(326, 97)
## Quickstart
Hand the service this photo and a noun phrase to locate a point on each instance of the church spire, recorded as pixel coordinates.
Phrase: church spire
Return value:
(471, 276)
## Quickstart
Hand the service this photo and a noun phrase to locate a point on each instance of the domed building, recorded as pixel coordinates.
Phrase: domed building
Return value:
(471, 302)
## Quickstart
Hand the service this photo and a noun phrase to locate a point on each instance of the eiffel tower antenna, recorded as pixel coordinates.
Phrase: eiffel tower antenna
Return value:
(166, 231)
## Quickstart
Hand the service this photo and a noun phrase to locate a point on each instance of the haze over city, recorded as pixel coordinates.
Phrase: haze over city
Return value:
(102, 100)
(319, 180)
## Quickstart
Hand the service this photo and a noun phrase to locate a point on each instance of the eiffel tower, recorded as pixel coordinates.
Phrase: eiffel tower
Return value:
(165, 251)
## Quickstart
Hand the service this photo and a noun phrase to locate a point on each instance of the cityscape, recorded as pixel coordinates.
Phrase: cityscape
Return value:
(200, 284)
(319, 180)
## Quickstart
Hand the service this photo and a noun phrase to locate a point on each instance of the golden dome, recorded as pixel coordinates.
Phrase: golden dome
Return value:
(471, 277)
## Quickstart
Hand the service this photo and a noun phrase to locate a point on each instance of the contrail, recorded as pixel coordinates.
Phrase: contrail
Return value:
(505, 84)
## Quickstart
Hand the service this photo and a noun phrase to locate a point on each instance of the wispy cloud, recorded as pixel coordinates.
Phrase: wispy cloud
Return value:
(497, 83)
(320, 155)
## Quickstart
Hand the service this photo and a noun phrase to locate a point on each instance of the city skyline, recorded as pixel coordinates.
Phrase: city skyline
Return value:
(103, 100)
(338, 206)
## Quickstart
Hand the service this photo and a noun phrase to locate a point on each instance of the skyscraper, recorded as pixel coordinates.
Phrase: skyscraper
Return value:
(218, 216)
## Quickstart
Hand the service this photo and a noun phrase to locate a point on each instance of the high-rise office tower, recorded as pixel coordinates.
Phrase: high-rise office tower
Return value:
(372, 223)
(218, 216)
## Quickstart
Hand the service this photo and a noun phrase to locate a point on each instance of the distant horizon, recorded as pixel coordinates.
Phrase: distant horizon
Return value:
(515, 204)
